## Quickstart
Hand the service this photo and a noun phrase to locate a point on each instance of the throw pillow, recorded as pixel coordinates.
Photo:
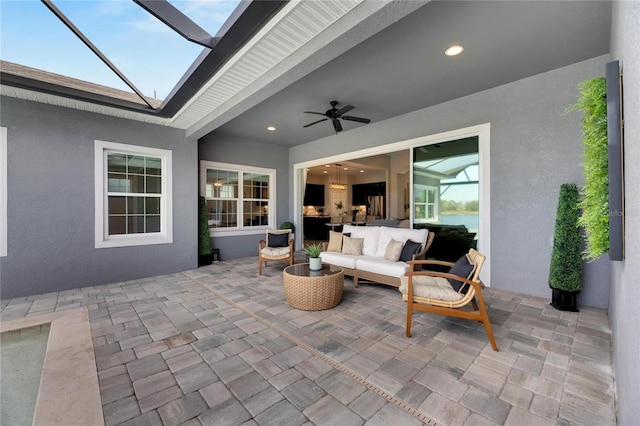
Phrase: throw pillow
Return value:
(335, 241)
(410, 248)
(393, 251)
(462, 268)
(278, 240)
(352, 246)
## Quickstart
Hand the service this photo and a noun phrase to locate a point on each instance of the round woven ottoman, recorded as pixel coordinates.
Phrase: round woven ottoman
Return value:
(309, 290)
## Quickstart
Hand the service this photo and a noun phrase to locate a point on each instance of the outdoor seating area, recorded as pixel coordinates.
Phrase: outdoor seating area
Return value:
(221, 345)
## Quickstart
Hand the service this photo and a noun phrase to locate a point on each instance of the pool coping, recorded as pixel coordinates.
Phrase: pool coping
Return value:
(69, 393)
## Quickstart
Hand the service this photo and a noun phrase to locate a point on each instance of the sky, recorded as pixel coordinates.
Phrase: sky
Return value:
(151, 55)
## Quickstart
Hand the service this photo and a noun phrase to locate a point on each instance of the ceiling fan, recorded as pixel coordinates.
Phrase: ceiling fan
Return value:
(335, 115)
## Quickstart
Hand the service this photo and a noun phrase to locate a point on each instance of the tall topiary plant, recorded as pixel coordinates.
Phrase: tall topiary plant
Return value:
(205, 247)
(595, 194)
(565, 273)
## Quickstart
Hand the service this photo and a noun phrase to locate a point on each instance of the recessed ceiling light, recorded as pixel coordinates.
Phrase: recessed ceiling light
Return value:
(326, 165)
(325, 172)
(454, 50)
(361, 171)
(271, 129)
(346, 168)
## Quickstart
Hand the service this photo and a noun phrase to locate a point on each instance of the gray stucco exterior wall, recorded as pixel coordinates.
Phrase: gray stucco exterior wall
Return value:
(625, 289)
(224, 149)
(534, 148)
(51, 201)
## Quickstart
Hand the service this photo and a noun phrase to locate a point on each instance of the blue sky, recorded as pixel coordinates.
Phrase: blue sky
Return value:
(150, 54)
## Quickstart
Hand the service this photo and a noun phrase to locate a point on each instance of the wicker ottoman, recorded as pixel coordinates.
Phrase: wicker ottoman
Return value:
(313, 290)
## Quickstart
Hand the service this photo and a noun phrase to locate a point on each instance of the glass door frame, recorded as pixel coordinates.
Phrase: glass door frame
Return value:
(482, 131)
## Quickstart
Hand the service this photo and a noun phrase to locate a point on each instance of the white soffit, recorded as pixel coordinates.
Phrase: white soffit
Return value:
(298, 23)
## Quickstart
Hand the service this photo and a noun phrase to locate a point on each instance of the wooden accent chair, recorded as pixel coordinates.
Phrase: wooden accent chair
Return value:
(430, 291)
(267, 253)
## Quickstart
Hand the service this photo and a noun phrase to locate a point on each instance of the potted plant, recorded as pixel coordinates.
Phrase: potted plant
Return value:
(288, 225)
(314, 250)
(565, 273)
(205, 248)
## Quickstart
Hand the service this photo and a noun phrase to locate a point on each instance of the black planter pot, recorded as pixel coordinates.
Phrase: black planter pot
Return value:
(205, 259)
(564, 300)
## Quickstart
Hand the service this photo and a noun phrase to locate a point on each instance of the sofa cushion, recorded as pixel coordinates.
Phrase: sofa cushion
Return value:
(339, 259)
(378, 265)
(370, 235)
(352, 245)
(399, 234)
(335, 242)
(410, 248)
(462, 268)
(430, 287)
(394, 249)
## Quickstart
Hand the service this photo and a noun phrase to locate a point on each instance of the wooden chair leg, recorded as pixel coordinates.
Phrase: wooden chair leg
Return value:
(409, 316)
(474, 304)
(259, 266)
(487, 324)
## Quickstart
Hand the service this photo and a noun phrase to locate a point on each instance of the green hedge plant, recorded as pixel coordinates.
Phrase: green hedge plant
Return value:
(204, 240)
(565, 272)
(592, 102)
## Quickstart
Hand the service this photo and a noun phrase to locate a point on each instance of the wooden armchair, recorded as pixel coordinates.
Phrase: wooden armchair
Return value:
(277, 251)
(431, 291)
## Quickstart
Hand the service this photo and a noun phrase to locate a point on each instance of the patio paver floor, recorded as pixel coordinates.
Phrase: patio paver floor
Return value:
(220, 346)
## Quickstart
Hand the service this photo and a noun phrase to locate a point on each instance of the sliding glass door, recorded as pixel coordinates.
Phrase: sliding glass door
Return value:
(446, 195)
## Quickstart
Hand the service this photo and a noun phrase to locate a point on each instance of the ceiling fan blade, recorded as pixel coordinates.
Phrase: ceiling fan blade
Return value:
(316, 122)
(313, 112)
(336, 125)
(344, 109)
(358, 119)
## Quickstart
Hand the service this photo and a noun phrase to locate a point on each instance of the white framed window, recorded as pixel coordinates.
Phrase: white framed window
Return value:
(425, 203)
(239, 199)
(133, 195)
(3, 191)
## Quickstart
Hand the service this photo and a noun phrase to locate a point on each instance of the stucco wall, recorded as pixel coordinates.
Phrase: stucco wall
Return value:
(535, 148)
(51, 201)
(625, 288)
(224, 149)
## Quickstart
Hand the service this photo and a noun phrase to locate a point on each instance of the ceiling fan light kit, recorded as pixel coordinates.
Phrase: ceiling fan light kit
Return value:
(335, 115)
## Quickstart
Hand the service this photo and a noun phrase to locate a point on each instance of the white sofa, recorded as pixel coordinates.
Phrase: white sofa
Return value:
(371, 264)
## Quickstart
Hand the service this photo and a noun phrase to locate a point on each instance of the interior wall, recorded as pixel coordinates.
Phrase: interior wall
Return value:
(535, 147)
(51, 201)
(625, 289)
(225, 149)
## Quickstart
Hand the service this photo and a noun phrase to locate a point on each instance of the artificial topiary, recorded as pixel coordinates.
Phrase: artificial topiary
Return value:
(566, 258)
(204, 239)
(595, 193)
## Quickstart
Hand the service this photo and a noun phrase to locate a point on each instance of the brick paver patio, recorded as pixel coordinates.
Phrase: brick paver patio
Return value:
(220, 346)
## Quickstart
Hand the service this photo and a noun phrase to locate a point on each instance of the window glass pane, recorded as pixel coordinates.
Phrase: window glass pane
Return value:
(137, 184)
(153, 223)
(117, 163)
(135, 164)
(135, 205)
(154, 185)
(135, 224)
(118, 183)
(153, 166)
(117, 205)
(152, 205)
(419, 196)
(117, 225)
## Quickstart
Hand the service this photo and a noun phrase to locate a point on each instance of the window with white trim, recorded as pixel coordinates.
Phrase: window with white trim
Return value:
(238, 198)
(133, 195)
(3, 191)
(425, 207)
